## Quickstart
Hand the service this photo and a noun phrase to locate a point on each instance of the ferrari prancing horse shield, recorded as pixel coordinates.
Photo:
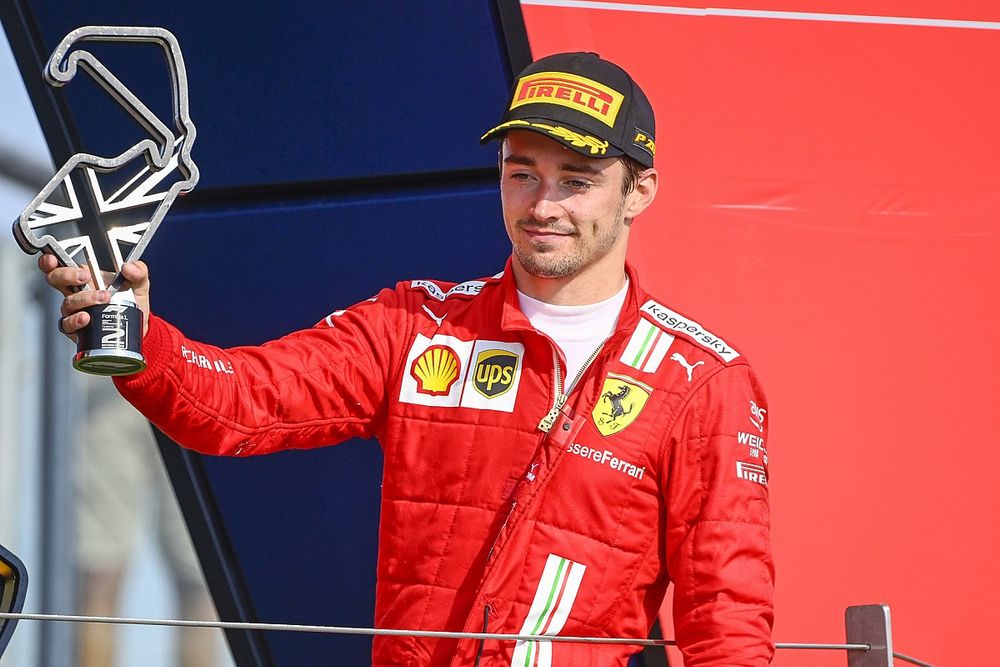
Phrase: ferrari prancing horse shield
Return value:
(622, 399)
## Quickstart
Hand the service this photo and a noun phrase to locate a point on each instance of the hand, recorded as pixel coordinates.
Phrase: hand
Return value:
(71, 281)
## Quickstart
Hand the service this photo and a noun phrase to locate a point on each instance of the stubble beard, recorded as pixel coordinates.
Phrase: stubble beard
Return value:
(541, 260)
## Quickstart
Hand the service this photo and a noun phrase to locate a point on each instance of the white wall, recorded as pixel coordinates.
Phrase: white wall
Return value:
(19, 349)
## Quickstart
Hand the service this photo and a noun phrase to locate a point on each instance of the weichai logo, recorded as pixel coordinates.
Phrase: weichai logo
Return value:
(436, 370)
(495, 372)
(570, 91)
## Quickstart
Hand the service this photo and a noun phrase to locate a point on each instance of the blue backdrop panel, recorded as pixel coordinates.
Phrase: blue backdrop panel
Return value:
(243, 274)
(304, 91)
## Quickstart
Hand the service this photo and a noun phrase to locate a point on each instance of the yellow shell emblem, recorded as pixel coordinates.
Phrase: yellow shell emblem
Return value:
(622, 399)
(436, 370)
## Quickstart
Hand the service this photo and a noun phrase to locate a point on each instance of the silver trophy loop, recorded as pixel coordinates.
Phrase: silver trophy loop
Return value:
(103, 211)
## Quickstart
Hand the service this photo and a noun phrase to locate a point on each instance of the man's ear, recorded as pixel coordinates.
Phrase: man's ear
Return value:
(642, 194)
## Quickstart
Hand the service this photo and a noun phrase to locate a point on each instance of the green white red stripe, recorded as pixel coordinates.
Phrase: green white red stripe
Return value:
(549, 610)
(647, 347)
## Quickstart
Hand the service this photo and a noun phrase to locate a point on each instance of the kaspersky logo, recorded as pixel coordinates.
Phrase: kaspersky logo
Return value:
(570, 91)
(436, 370)
(495, 372)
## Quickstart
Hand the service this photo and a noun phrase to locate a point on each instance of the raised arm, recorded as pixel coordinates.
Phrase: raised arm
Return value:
(314, 387)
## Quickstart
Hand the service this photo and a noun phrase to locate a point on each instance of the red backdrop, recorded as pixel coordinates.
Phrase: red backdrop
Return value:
(830, 201)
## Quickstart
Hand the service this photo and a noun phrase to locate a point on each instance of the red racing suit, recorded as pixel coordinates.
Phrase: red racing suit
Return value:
(514, 500)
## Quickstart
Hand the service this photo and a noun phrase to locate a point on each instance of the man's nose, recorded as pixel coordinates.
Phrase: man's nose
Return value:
(546, 206)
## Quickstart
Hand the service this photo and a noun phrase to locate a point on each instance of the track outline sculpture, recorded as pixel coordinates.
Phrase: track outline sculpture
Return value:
(166, 151)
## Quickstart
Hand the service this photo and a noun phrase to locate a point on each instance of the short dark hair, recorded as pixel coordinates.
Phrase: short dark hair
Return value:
(633, 171)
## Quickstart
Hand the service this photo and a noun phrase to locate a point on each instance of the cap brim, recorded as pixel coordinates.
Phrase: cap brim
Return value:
(563, 133)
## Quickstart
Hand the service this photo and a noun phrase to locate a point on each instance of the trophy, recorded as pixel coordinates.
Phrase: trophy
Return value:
(102, 211)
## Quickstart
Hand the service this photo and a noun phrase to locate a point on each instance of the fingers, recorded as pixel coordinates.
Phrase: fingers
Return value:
(47, 262)
(74, 317)
(137, 275)
(77, 301)
(71, 281)
(65, 279)
(72, 324)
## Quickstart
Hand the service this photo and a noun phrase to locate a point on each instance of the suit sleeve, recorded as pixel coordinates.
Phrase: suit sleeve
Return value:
(718, 524)
(314, 387)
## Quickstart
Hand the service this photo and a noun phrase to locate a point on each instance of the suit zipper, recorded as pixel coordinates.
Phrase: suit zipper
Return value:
(547, 421)
(489, 555)
(560, 400)
(545, 425)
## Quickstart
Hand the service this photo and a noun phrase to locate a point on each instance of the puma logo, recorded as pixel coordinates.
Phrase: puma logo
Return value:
(434, 317)
(679, 358)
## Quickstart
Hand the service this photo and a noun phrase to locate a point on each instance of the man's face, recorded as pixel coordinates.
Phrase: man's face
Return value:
(564, 212)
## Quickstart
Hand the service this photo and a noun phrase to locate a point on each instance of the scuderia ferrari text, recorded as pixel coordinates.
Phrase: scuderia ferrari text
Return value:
(608, 458)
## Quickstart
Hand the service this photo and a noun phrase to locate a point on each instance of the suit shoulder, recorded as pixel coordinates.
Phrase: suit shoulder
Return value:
(688, 329)
(441, 290)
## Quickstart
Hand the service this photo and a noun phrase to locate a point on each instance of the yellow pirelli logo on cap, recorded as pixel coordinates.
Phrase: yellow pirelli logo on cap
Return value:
(570, 91)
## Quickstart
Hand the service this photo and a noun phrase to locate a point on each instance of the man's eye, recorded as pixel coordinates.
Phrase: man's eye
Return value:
(578, 185)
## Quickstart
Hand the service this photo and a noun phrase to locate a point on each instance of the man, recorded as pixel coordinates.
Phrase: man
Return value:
(558, 444)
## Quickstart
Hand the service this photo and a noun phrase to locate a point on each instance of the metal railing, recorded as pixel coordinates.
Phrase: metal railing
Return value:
(868, 630)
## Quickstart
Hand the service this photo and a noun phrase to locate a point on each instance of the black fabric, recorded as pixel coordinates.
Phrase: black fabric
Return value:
(589, 104)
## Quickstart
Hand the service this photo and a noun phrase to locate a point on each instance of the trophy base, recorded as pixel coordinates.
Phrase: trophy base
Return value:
(109, 362)
(111, 343)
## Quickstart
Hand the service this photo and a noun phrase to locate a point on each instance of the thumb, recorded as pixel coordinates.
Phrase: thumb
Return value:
(137, 275)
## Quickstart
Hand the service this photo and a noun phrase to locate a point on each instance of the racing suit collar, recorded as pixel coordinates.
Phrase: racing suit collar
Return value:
(512, 319)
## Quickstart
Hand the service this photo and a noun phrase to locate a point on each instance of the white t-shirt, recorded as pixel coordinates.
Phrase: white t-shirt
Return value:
(577, 330)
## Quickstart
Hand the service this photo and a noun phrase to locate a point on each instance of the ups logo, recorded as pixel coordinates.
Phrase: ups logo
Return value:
(495, 372)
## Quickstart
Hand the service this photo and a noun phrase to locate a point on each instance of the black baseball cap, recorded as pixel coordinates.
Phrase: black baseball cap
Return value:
(584, 102)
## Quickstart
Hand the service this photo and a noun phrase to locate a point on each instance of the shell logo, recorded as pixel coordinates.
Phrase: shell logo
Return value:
(436, 370)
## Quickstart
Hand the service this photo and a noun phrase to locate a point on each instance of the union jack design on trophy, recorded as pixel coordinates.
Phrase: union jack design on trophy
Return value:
(102, 211)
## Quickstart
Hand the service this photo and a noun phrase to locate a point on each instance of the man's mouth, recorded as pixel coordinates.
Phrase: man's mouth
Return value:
(536, 233)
